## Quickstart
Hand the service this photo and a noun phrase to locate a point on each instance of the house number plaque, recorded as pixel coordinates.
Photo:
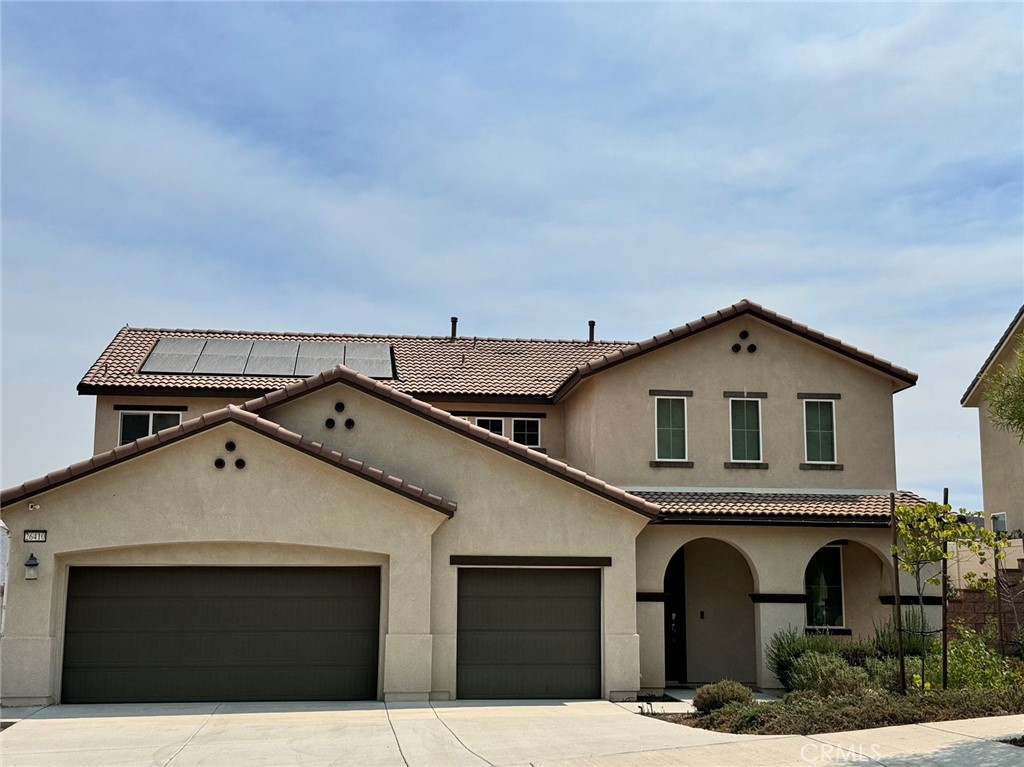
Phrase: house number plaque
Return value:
(35, 536)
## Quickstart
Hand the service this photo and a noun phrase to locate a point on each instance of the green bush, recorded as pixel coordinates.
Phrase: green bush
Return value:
(804, 713)
(714, 696)
(973, 664)
(828, 675)
(790, 644)
(915, 634)
(883, 674)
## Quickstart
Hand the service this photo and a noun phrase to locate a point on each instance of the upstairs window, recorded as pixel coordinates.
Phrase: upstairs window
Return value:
(493, 425)
(670, 428)
(746, 429)
(526, 431)
(823, 581)
(820, 431)
(999, 522)
(136, 425)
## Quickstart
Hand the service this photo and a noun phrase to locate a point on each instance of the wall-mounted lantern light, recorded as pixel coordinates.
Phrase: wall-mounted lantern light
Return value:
(31, 568)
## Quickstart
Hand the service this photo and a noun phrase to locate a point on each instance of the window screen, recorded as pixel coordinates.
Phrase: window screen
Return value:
(671, 429)
(746, 430)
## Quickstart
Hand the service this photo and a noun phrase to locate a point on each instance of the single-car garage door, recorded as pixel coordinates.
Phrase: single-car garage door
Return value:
(221, 633)
(529, 633)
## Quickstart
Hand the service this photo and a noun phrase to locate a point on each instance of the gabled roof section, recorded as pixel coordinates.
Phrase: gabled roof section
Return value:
(527, 369)
(207, 421)
(902, 378)
(779, 507)
(409, 403)
(1016, 326)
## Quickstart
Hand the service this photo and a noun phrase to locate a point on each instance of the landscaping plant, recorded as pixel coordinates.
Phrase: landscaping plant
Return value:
(714, 696)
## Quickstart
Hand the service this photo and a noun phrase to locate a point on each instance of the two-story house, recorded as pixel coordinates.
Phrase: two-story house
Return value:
(295, 516)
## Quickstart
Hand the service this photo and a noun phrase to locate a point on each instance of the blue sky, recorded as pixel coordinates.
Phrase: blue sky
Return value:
(380, 167)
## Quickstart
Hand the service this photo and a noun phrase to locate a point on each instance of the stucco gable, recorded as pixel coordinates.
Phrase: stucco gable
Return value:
(901, 377)
(1000, 354)
(275, 402)
(248, 420)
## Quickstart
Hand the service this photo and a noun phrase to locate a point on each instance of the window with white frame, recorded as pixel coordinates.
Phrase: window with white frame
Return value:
(823, 580)
(745, 423)
(138, 424)
(526, 431)
(820, 431)
(999, 522)
(493, 425)
(670, 428)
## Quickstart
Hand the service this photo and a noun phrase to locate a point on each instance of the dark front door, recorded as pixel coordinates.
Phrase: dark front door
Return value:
(529, 633)
(140, 634)
(675, 620)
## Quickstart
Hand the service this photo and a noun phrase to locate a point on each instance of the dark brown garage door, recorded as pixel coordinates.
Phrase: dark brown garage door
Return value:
(221, 633)
(529, 633)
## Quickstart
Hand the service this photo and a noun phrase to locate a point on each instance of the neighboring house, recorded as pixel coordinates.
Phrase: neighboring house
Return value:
(1002, 454)
(455, 517)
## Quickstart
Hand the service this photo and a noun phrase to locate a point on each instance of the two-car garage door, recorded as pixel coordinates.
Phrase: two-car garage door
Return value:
(221, 633)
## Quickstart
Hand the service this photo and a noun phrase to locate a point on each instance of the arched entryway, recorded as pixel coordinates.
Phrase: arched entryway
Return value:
(846, 584)
(709, 616)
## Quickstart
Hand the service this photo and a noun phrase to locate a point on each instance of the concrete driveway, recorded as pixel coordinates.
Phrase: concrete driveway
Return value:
(542, 734)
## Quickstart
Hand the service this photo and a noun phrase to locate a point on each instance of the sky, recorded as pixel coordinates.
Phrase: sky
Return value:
(527, 167)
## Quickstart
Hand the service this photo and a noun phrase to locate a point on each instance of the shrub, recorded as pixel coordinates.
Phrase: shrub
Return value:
(883, 674)
(975, 665)
(828, 675)
(917, 638)
(714, 696)
(790, 644)
(805, 713)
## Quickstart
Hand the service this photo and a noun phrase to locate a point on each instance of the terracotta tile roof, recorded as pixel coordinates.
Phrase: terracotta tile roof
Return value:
(795, 506)
(407, 402)
(209, 420)
(425, 365)
(904, 377)
(1016, 326)
(436, 366)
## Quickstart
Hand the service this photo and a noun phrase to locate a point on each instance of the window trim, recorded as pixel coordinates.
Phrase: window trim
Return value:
(760, 432)
(842, 586)
(540, 436)
(491, 418)
(686, 430)
(149, 427)
(835, 442)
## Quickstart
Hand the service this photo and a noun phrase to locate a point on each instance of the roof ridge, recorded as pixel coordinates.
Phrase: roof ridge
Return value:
(207, 420)
(426, 410)
(402, 336)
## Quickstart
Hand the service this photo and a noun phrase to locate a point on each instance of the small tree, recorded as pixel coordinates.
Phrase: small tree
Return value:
(926, 535)
(1004, 392)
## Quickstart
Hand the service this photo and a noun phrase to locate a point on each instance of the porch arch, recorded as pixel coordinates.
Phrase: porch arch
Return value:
(709, 617)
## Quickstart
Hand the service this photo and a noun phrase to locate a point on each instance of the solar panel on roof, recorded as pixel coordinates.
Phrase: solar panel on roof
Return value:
(318, 356)
(272, 358)
(373, 360)
(225, 356)
(174, 355)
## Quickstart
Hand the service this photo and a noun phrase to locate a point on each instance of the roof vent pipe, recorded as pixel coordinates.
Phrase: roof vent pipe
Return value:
(591, 323)
(455, 325)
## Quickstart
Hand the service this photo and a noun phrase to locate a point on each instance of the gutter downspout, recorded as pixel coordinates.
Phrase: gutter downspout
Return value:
(5, 542)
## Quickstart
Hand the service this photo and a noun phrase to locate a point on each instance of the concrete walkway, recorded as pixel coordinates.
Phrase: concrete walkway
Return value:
(537, 733)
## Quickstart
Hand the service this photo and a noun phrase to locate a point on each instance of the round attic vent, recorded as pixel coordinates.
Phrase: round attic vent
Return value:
(752, 348)
(240, 463)
(219, 463)
(744, 334)
(339, 407)
(329, 423)
(229, 446)
(349, 423)
(736, 347)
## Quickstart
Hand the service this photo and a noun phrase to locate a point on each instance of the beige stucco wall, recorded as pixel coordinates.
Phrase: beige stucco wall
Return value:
(172, 506)
(621, 412)
(1002, 461)
(552, 425)
(506, 508)
(720, 636)
(777, 558)
(108, 420)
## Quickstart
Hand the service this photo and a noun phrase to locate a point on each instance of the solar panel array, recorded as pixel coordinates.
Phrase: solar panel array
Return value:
(232, 356)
